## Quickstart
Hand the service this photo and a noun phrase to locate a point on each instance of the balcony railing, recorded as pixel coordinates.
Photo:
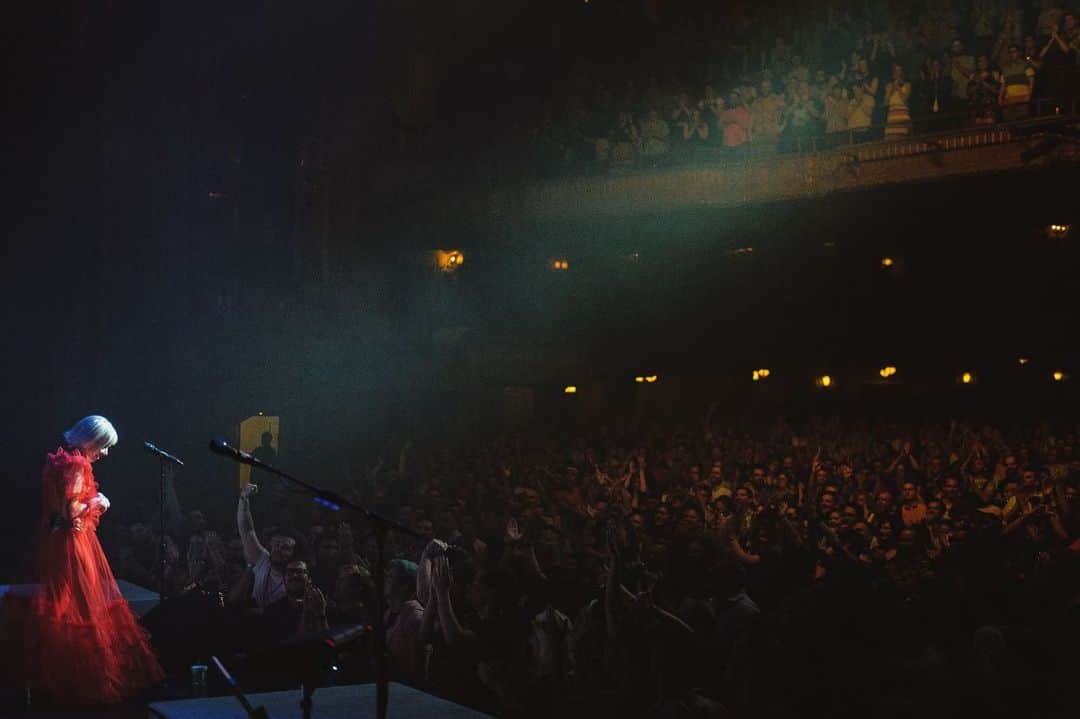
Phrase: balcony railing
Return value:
(868, 144)
(725, 178)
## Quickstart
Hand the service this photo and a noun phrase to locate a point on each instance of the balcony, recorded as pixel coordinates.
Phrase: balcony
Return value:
(717, 180)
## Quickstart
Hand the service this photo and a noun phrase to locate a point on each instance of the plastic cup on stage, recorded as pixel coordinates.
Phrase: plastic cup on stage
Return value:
(198, 680)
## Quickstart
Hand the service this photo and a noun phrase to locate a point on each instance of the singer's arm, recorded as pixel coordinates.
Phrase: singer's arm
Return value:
(74, 507)
(253, 550)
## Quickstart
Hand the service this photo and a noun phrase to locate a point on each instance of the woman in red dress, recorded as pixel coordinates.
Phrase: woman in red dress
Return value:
(84, 644)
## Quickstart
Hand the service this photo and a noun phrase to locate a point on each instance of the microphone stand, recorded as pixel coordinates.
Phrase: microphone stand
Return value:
(253, 712)
(162, 564)
(163, 457)
(379, 527)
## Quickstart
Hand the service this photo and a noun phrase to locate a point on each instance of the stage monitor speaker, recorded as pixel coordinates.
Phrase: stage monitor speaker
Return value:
(140, 599)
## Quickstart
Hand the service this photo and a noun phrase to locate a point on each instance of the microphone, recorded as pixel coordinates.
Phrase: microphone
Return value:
(162, 454)
(220, 446)
(347, 635)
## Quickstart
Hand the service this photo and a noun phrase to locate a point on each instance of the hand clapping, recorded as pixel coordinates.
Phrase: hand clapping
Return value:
(441, 577)
(513, 532)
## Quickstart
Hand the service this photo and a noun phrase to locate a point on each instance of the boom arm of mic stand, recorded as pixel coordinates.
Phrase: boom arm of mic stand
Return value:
(333, 500)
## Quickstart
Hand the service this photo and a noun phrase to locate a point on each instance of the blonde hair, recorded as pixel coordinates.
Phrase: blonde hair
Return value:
(93, 432)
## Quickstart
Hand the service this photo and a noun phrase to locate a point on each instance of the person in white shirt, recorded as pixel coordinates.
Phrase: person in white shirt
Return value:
(268, 565)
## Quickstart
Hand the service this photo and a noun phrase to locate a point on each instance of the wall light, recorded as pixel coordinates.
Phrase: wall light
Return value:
(639, 379)
(824, 381)
(449, 260)
(1024, 360)
(887, 262)
(1057, 231)
(570, 389)
(650, 378)
(887, 371)
(967, 378)
(1059, 376)
(560, 265)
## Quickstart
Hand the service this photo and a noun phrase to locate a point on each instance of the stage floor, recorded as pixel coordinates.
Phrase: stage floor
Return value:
(352, 702)
(349, 702)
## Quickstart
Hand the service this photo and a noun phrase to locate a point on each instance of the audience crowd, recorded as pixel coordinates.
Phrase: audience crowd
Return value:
(717, 568)
(760, 78)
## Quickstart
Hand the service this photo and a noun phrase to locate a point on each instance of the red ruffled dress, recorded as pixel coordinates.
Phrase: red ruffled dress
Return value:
(83, 644)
